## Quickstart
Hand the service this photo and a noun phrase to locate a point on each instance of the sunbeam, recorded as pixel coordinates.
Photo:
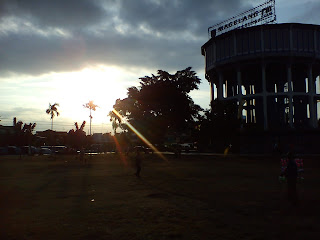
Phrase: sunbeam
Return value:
(149, 144)
(122, 157)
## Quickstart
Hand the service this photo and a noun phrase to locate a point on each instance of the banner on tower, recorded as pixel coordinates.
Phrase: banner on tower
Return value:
(262, 14)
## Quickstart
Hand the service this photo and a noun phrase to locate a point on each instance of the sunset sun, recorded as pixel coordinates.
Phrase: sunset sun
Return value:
(97, 84)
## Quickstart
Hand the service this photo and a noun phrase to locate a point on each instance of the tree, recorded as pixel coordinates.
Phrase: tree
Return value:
(27, 132)
(52, 111)
(161, 104)
(77, 137)
(116, 121)
(91, 106)
(23, 135)
(81, 127)
(18, 134)
(219, 125)
(17, 125)
(28, 128)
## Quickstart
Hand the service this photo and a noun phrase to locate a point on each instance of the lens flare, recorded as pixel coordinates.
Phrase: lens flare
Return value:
(149, 144)
(122, 157)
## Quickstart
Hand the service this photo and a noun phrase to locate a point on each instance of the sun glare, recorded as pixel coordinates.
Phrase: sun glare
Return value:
(103, 85)
(139, 135)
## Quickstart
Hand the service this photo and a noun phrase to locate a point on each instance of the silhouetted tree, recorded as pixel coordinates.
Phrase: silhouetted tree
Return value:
(219, 125)
(27, 132)
(81, 129)
(77, 137)
(91, 106)
(28, 128)
(116, 121)
(18, 134)
(161, 104)
(52, 111)
(22, 135)
(17, 125)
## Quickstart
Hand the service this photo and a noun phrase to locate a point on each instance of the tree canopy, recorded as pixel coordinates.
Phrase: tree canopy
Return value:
(220, 125)
(77, 137)
(23, 132)
(160, 104)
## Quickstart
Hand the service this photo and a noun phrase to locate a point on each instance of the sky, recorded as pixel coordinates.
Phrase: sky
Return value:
(73, 51)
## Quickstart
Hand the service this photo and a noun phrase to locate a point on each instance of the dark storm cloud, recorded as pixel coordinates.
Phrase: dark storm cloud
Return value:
(93, 37)
(36, 55)
(178, 15)
(55, 13)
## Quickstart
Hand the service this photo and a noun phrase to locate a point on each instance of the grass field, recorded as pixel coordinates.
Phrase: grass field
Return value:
(194, 197)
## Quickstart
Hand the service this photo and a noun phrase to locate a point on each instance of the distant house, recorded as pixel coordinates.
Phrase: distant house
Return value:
(49, 137)
(102, 142)
(102, 138)
(7, 134)
(7, 130)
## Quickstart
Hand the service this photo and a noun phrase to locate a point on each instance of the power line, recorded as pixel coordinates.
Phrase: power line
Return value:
(56, 124)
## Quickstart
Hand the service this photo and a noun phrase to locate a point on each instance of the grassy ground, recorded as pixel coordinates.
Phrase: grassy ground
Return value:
(188, 198)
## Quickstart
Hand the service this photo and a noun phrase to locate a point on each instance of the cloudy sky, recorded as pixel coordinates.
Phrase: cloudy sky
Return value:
(73, 51)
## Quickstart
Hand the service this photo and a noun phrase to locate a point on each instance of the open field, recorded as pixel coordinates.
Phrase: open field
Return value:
(194, 197)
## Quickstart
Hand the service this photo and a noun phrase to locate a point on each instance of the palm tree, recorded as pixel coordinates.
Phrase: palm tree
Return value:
(52, 110)
(81, 127)
(93, 107)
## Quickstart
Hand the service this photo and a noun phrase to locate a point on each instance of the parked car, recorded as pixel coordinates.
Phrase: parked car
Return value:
(59, 149)
(56, 149)
(143, 149)
(13, 150)
(30, 150)
(3, 151)
(186, 147)
(45, 151)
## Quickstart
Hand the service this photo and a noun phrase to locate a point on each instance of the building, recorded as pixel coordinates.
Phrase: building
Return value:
(102, 142)
(49, 137)
(7, 135)
(272, 73)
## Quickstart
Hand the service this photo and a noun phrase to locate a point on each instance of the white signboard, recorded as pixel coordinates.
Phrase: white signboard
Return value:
(263, 14)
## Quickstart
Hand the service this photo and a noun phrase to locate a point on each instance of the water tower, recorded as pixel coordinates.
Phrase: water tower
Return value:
(271, 71)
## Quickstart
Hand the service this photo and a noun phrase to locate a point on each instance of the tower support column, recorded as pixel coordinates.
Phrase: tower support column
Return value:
(311, 94)
(220, 88)
(290, 97)
(239, 82)
(239, 95)
(264, 97)
(212, 90)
